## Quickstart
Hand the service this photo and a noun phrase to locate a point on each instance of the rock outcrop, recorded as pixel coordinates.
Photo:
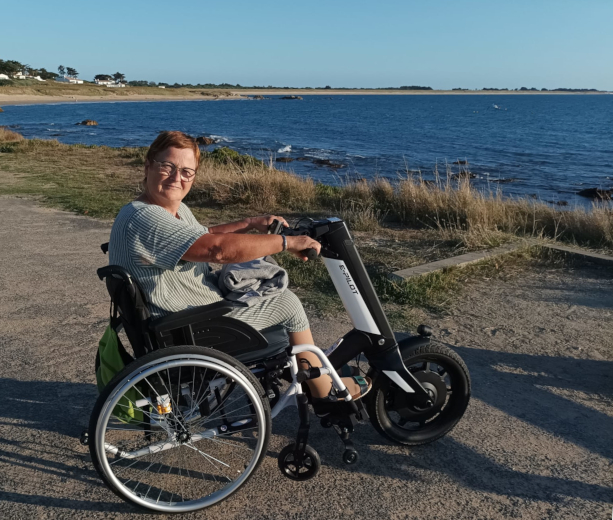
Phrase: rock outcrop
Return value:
(88, 122)
(291, 97)
(1, 110)
(284, 159)
(596, 194)
(329, 163)
(206, 141)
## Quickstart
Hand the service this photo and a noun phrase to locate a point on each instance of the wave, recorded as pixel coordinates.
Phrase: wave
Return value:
(221, 139)
(285, 149)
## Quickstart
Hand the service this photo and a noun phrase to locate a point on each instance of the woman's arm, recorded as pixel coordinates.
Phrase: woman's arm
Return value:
(247, 224)
(229, 248)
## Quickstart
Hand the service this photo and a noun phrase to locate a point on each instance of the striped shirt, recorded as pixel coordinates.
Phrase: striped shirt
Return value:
(149, 242)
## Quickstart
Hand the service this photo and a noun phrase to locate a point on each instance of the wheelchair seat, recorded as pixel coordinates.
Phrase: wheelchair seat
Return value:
(206, 326)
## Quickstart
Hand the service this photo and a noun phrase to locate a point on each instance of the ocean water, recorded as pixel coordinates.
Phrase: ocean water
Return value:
(546, 146)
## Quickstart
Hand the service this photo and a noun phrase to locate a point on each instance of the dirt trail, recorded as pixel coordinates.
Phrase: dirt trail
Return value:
(534, 444)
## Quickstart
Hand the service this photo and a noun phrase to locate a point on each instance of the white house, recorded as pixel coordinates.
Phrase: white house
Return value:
(106, 82)
(19, 75)
(68, 79)
(3, 76)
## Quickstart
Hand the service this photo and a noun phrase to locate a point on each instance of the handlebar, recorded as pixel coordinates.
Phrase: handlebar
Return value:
(277, 228)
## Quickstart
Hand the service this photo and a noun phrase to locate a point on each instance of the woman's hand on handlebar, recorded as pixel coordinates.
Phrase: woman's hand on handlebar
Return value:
(262, 222)
(299, 246)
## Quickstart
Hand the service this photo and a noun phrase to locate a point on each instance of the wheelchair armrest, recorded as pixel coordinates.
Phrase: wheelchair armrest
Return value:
(187, 317)
(115, 271)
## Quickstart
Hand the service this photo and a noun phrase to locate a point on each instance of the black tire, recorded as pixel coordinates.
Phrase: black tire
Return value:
(432, 426)
(311, 463)
(131, 371)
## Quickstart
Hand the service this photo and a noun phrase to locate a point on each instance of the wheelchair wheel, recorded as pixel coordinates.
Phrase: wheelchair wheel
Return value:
(180, 429)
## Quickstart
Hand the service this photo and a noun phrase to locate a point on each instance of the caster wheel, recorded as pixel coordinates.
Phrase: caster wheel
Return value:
(84, 440)
(350, 456)
(307, 469)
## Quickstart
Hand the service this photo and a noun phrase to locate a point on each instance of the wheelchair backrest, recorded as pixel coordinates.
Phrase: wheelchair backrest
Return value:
(128, 306)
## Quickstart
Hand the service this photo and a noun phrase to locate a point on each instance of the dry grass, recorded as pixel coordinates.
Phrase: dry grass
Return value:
(452, 207)
(8, 136)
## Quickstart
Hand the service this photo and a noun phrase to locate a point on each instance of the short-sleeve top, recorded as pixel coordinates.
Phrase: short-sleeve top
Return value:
(149, 242)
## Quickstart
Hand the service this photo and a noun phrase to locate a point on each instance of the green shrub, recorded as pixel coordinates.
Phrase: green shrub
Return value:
(225, 155)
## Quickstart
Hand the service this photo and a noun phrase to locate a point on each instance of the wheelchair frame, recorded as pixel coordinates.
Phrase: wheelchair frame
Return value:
(371, 335)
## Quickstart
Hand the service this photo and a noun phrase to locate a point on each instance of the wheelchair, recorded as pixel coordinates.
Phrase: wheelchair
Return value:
(188, 420)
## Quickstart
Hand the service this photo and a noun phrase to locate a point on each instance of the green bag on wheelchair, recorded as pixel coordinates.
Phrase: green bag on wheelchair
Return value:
(112, 359)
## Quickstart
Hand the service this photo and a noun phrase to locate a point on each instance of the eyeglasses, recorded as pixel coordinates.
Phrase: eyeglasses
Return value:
(168, 169)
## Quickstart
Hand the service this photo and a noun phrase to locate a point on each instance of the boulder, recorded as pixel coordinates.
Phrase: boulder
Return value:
(328, 162)
(596, 194)
(206, 141)
(291, 97)
(284, 159)
(258, 97)
(302, 159)
(88, 122)
(461, 162)
(1, 110)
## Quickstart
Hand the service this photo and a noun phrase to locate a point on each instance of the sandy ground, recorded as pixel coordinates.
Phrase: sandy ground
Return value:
(23, 99)
(535, 442)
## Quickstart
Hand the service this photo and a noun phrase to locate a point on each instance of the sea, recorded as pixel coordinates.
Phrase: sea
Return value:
(547, 147)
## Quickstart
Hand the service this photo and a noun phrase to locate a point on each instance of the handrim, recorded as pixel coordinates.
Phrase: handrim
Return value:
(167, 363)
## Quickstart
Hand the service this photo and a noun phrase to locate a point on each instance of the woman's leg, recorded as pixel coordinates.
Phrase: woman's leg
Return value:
(286, 309)
(321, 386)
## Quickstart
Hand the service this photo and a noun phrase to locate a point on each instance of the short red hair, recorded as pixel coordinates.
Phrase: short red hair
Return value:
(173, 139)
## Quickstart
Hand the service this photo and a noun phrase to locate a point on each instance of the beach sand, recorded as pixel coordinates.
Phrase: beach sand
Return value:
(33, 99)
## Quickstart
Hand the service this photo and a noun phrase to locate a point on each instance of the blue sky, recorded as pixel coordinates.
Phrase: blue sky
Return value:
(439, 43)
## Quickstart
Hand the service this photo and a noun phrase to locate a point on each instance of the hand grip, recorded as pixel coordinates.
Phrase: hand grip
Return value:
(275, 228)
(310, 253)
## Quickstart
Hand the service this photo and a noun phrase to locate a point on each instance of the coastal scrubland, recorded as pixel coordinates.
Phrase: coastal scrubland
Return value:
(396, 224)
(17, 90)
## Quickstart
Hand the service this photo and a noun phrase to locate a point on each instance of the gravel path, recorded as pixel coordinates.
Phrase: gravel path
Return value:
(535, 442)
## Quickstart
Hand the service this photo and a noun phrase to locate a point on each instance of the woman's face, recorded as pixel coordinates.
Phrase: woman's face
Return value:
(163, 188)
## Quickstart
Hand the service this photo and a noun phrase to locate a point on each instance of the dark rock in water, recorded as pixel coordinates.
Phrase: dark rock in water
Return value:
(504, 181)
(88, 122)
(461, 162)
(328, 162)
(284, 159)
(291, 97)
(1, 110)
(557, 202)
(464, 175)
(206, 141)
(258, 97)
(596, 194)
(303, 159)
(533, 196)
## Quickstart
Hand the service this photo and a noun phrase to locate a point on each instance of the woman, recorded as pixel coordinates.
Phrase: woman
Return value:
(158, 240)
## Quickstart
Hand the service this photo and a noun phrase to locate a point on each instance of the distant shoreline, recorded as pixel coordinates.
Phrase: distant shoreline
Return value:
(357, 92)
(33, 99)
